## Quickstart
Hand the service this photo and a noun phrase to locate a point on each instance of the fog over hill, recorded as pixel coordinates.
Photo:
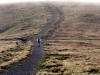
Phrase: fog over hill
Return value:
(19, 1)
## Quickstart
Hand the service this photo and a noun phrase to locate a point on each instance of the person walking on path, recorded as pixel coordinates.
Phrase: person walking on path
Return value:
(39, 41)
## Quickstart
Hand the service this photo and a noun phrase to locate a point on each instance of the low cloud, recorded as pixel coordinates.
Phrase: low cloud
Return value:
(16, 1)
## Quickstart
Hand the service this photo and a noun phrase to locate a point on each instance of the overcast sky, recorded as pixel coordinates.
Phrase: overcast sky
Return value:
(14, 1)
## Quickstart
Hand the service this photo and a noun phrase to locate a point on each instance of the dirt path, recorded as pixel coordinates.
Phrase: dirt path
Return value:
(28, 66)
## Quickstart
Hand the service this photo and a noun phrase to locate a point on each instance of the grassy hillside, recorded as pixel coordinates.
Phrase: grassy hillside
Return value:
(19, 22)
(21, 19)
(74, 47)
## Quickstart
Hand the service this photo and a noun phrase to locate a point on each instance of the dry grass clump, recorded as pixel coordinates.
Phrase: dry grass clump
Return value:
(13, 54)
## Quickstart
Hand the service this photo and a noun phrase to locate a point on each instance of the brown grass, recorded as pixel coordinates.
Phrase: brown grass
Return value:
(13, 53)
(74, 47)
(19, 21)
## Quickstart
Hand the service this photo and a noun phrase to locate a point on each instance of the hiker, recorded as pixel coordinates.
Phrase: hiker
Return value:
(39, 41)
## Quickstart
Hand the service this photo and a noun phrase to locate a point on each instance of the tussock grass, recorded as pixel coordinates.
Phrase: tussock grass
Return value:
(75, 44)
